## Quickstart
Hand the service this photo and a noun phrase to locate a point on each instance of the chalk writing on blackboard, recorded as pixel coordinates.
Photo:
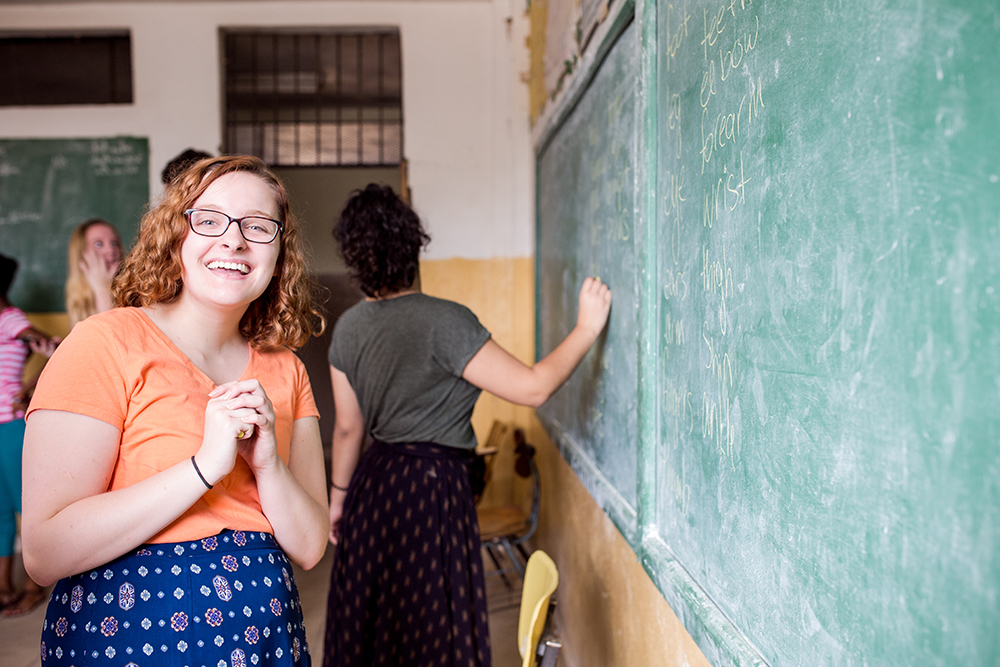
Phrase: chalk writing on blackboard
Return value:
(673, 334)
(17, 217)
(115, 157)
(587, 215)
(677, 19)
(816, 321)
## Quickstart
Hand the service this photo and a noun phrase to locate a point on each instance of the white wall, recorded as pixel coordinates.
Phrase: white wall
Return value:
(466, 132)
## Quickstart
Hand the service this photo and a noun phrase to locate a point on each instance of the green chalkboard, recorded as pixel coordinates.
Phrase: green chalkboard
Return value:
(47, 188)
(817, 462)
(586, 212)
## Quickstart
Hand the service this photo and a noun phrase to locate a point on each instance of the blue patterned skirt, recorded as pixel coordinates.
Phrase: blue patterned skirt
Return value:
(224, 601)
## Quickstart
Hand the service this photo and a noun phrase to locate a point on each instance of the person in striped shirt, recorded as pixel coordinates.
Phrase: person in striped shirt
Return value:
(18, 339)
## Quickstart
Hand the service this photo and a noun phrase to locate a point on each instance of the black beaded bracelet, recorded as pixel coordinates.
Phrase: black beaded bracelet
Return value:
(195, 464)
(339, 488)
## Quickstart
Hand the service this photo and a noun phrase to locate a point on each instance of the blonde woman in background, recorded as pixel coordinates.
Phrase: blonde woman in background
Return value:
(95, 251)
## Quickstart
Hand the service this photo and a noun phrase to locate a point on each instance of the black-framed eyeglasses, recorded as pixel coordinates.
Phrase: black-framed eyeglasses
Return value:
(255, 229)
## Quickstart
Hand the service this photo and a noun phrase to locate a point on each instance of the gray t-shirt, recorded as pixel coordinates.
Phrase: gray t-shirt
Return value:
(404, 358)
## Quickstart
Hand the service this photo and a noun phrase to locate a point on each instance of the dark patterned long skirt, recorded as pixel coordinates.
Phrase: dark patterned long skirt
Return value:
(224, 601)
(407, 587)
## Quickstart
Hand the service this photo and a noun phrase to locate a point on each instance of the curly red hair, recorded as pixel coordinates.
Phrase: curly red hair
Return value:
(283, 316)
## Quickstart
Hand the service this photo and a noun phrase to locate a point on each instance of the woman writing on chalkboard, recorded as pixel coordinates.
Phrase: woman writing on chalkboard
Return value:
(95, 251)
(172, 459)
(407, 582)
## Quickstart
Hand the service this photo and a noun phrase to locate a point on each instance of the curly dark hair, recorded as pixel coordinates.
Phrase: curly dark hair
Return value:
(177, 166)
(381, 238)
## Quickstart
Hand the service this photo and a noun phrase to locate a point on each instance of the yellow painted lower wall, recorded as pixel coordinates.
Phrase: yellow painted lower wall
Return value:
(609, 614)
(501, 292)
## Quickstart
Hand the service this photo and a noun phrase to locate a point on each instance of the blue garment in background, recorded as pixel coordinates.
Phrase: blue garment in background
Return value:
(11, 445)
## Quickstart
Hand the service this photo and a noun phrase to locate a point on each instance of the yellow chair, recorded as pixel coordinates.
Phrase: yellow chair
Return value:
(540, 580)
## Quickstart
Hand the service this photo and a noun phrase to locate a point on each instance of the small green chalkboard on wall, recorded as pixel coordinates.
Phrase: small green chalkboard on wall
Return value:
(47, 188)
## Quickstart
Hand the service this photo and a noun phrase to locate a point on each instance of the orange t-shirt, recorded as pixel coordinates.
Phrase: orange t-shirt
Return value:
(120, 368)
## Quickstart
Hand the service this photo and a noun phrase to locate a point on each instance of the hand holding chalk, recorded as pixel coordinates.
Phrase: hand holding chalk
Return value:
(595, 305)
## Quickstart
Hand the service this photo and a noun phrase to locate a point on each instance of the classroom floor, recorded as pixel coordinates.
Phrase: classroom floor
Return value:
(19, 637)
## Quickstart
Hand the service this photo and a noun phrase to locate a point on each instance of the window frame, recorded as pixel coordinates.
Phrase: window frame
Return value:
(271, 130)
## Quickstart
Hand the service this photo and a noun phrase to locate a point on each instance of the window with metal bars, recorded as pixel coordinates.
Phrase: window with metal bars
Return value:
(53, 69)
(314, 97)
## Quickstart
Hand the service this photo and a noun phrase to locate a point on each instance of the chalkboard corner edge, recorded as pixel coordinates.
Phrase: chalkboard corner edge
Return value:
(722, 643)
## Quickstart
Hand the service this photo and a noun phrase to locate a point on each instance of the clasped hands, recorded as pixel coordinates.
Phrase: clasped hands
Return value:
(239, 419)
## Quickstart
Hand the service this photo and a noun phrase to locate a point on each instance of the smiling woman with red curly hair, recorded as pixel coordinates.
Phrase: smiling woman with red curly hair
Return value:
(151, 274)
(195, 470)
